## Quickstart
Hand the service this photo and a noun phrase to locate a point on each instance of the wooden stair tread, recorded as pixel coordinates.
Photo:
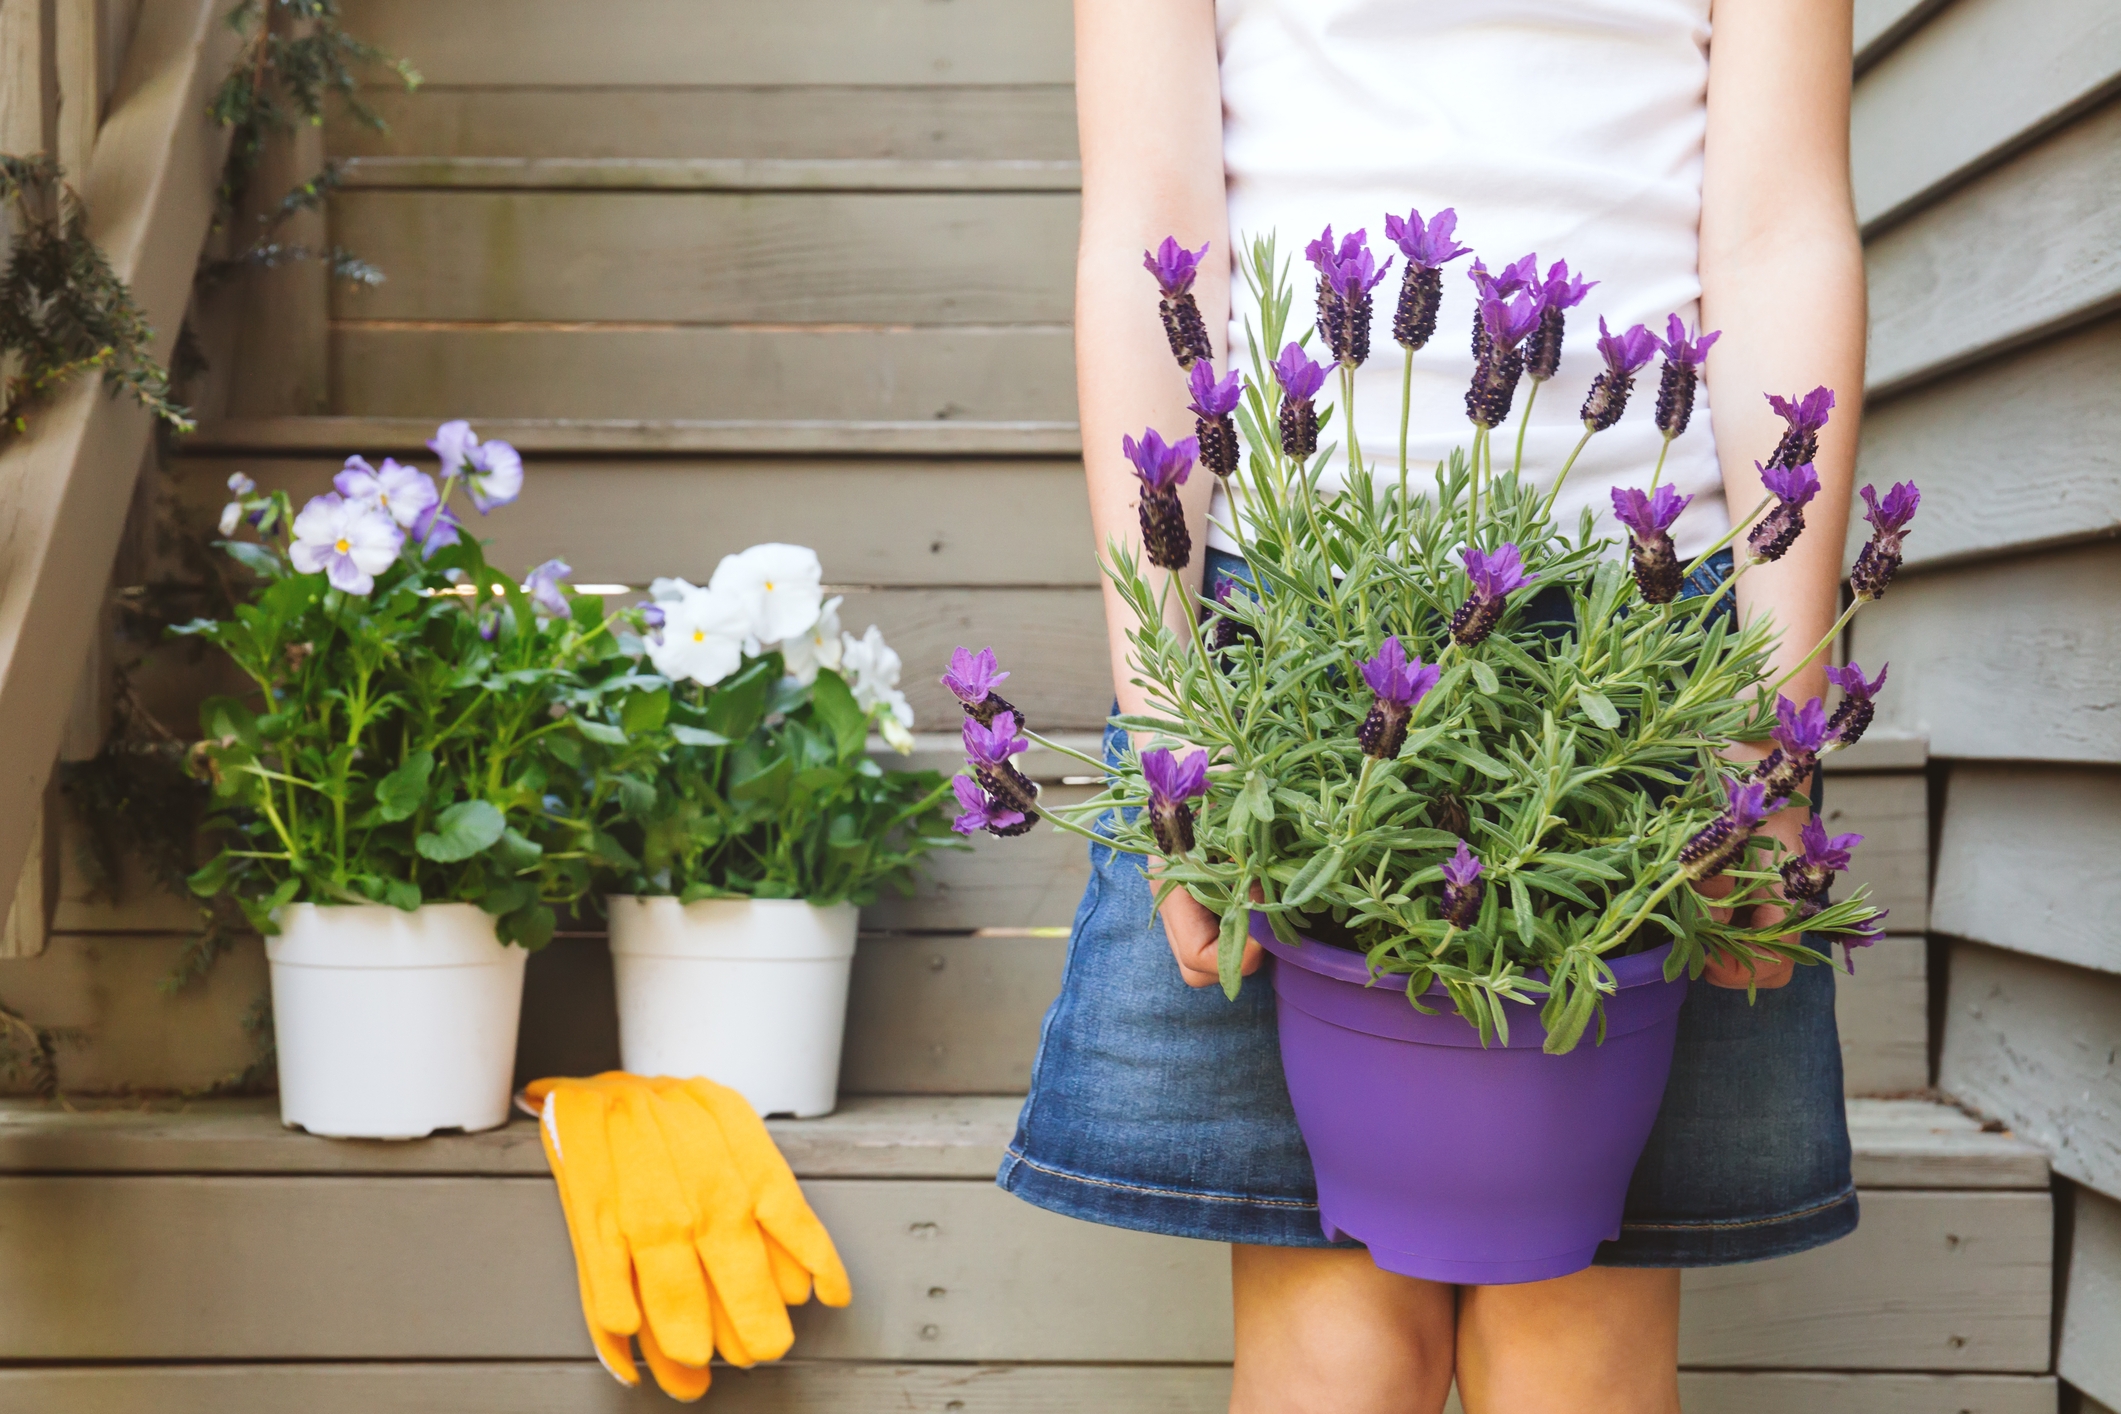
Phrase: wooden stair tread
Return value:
(934, 437)
(785, 174)
(1898, 1143)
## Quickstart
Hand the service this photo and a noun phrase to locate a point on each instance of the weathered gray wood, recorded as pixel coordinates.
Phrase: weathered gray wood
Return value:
(832, 1387)
(677, 42)
(1882, 1012)
(1891, 812)
(1939, 298)
(1032, 881)
(775, 174)
(1966, 86)
(948, 1016)
(2047, 413)
(2005, 660)
(983, 258)
(754, 436)
(2088, 1352)
(1033, 121)
(1878, 751)
(1056, 637)
(1000, 374)
(2027, 861)
(626, 521)
(1880, 24)
(480, 1268)
(2038, 1045)
(1922, 1144)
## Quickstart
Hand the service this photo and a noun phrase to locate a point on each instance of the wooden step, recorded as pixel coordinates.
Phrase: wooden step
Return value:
(750, 174)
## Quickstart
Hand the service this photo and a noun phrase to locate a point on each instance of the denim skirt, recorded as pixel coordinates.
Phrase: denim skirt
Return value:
(1162, 1107)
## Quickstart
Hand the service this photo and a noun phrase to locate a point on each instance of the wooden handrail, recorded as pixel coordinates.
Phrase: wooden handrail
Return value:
(65, 486)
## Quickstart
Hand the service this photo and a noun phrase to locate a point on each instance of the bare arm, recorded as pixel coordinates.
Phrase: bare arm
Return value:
(1148, 99)
(1782, 276)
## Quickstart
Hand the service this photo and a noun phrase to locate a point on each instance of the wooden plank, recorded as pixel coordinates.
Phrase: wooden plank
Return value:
(1055, 636)
(560, 44)
(77, 62)
(662, 436)
(1004, 373)
(833, 1387)
(1882, 1011)
(985, 258)
(1879, 751)
(1940, 300)
(773, 174)
(1968, 86)
(2038, 1045)
(1033, 881)
(118, 1030)
(1922, 1144)
(1880, 24)
(479, 1268)
(1891, 812)
(948, 1016)
(2047, 412)
(628, 520)
(2088, 1353)
(65, 486)
(2004, 660)
(28, 88)
(960, 122)
(2027, 861)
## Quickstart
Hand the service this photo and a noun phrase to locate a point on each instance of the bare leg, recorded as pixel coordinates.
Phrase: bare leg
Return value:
(1601, 1341)
(1323, 1331)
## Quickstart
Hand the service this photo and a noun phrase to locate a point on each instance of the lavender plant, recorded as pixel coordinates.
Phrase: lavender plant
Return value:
(1550, 789)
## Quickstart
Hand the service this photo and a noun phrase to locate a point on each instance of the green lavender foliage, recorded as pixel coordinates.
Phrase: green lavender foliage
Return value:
(63, 310)
(1580, 759)
(762, 787)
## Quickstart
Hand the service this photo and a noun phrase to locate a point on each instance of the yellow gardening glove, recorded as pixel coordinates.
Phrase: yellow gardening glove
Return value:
(657, 1217)
(783, 1213)
(593, 1230)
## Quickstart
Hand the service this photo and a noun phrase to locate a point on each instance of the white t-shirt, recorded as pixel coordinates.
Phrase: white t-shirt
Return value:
(1572, 128)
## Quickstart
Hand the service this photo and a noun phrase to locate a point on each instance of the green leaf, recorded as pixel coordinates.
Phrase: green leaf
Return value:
(601, 732)
(401, 894)
(254, 557)
(1598, 709)
(529, 928)
(467, 828)
(1318, 871)
(517, 852)
(644, 711)
(840, 714)
(1254, 804)
(1484, 676)
(400, 794)
(695, 736)
(1230, 945)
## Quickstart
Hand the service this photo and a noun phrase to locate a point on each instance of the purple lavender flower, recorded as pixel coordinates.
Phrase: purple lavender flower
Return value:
(1879, 560)
(1853, 717)
(1300, 381)
(1870, 932)
(1163, 469)
(988, 748)
(1800, 734)
(1172, 785)
(1347, 274)
(1625, 355)
(1791, 487)
(971, 680)
(1212, 405)
(1518, 275)
(1807, 875)
(1174, 268)
(543, 585)
(1805, 416)
(1462, 888)
(1559, 292)
(1493, 577)
(1398, 684)
(1681, 373)
(1504, 326)
(1649, 522)
(981, 812)
(1723, 839)
(1427, 246)
(1228, 629)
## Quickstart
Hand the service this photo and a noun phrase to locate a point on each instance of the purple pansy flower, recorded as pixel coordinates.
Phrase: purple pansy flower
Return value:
(1163, 469)
(971, 680)
(1213, 402)
(1649, 521)
(1853, 717)
(1174, 268)
(1398, 684)
(1807, 875)
(1426, 246)
(1559, 292)
(1173, 784)
(1462, 888)
(543, 586)
(1625, 355)
(988, 747)
(1723, 839)
(1792, 487)
(404, 493)
(1494, 576)
(979, 811)
(1879, 560)
(1800, 734)
(1805, 417)
(453, 442)
(496, 475)
(1300, 381)
(1683, 355)
(351, 542)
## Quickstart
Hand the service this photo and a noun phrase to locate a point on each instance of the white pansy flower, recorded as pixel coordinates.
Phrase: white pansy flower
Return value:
(871, 668)
(896, 721)
(818, 647)
(704, 636)
(780, 584)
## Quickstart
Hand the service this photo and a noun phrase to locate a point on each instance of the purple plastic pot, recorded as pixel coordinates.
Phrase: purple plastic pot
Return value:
(1458, 1163)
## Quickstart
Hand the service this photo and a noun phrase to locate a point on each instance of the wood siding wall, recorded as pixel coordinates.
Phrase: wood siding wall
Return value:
(1994, 374)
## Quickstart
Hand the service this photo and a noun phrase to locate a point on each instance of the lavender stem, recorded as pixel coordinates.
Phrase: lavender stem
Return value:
(1524, 422)
(1581, 442)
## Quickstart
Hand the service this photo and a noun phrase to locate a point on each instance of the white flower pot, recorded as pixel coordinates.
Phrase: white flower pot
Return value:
(751, 993)
(392, 1025)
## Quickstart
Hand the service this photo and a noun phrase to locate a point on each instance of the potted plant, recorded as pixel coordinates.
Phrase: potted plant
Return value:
(381, 795)
(741, 842)
(1460, 769)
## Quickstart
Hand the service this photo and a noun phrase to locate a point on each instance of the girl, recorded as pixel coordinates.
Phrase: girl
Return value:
(1706, 176)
